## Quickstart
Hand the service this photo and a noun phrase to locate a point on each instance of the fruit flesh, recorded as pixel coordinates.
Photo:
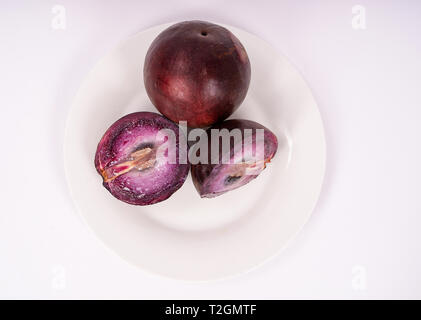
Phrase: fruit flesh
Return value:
(212, 180)
(198, 72)
(128, 162)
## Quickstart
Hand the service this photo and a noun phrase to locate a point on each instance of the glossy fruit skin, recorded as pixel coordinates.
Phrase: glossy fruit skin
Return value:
(198, 72)
(207, 177)
(134, 132)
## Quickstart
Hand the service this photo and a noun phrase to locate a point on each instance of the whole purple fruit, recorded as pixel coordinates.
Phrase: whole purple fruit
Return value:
(198, 72)
(128, 160)
(242, 162)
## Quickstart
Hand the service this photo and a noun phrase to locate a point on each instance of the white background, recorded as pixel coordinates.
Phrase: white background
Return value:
(363, 240)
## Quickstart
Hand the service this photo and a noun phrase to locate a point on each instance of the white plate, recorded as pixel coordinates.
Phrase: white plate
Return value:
(187, 237)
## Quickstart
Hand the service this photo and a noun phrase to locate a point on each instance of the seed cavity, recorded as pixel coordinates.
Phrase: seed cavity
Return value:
(141, 159)
(144, 145)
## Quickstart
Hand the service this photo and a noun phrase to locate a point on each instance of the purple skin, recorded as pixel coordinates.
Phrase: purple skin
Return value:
(198, 72)
(212, 180)
(127, 161)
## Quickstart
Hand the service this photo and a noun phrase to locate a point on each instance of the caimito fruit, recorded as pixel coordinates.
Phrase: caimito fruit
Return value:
(198, 72)
(128, 159)
(240, 163)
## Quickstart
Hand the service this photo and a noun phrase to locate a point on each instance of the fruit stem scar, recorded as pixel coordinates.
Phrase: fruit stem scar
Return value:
(140, 159)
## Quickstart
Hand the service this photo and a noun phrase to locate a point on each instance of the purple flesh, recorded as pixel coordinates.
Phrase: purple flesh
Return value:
(127, 161)
(212, 180)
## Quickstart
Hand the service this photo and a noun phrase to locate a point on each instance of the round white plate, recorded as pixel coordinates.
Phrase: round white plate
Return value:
(187, 237)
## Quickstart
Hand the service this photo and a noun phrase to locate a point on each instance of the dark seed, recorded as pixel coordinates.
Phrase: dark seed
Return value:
(231, 179)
